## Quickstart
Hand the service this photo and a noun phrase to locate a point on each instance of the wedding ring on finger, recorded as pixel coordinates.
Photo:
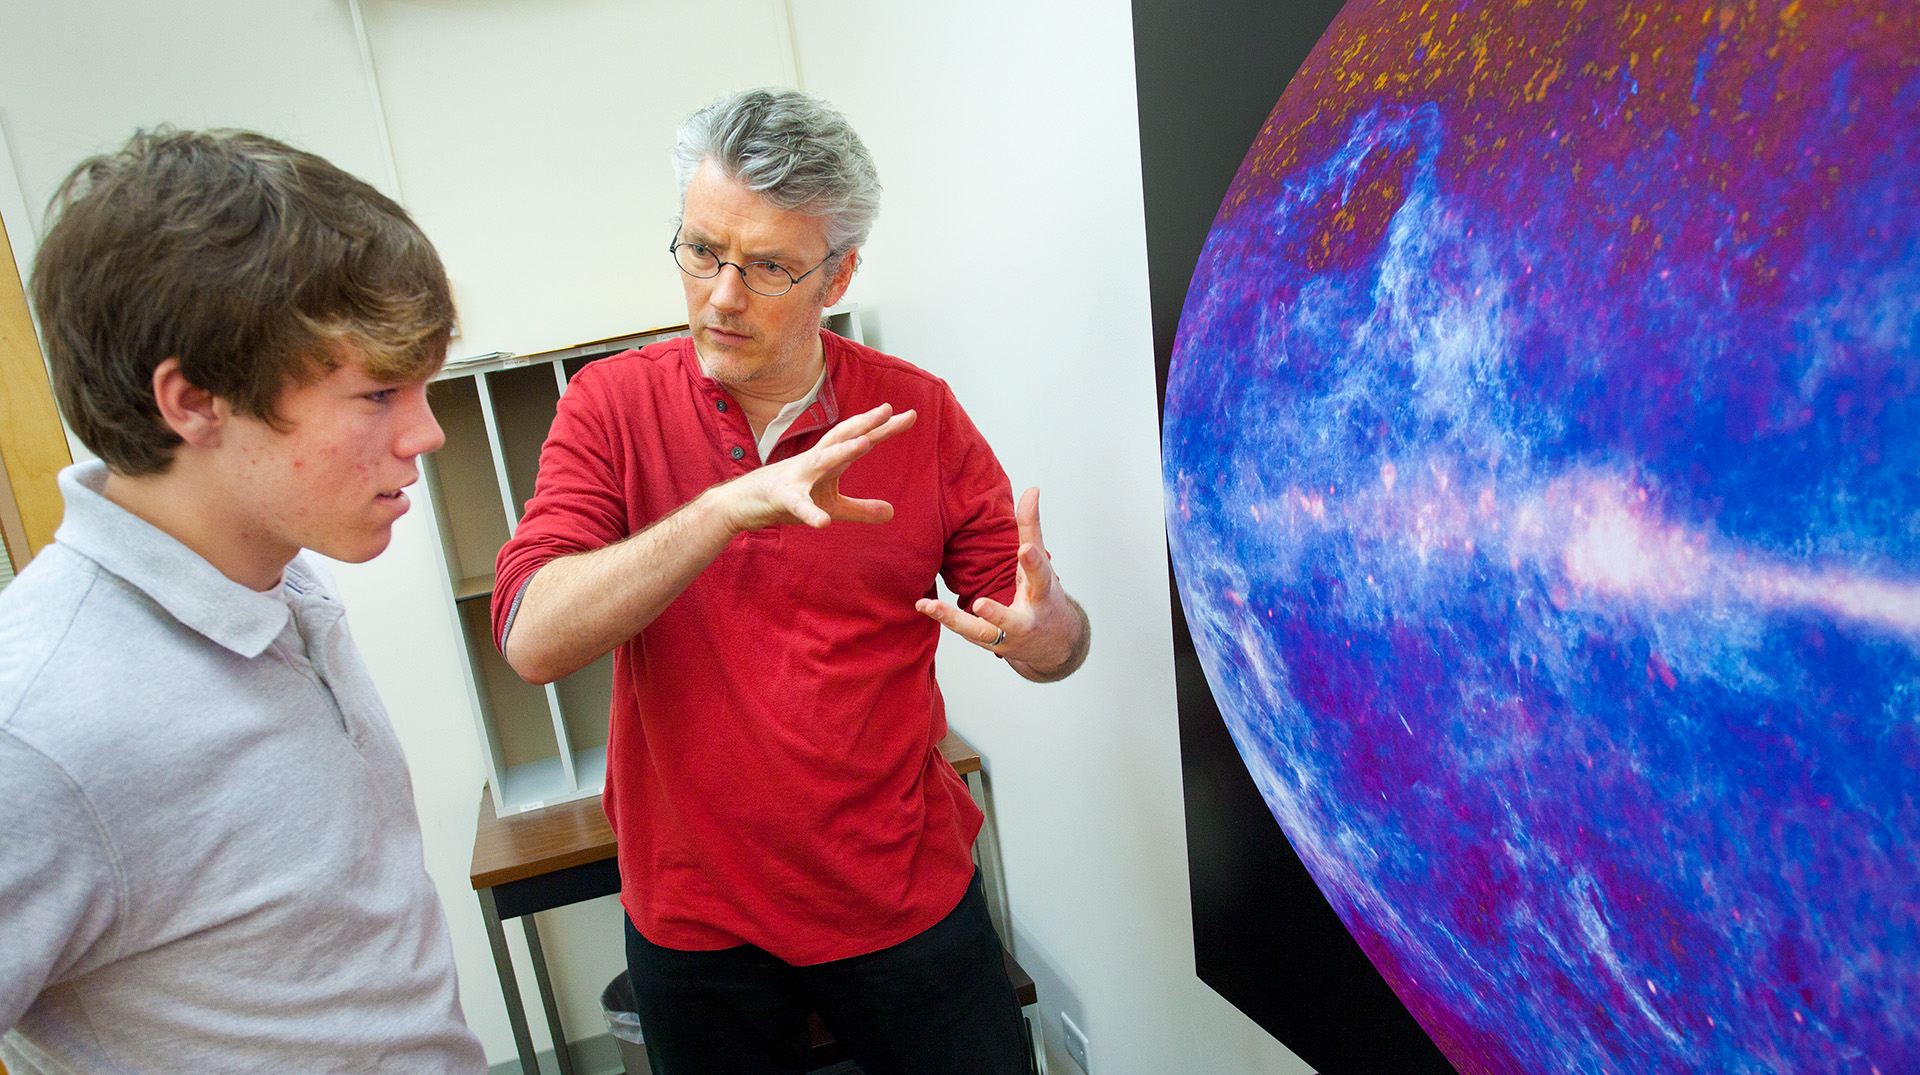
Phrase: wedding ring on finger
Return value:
(1002, 638)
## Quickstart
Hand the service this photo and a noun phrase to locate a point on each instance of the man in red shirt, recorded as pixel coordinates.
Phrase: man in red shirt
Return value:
(752, 520)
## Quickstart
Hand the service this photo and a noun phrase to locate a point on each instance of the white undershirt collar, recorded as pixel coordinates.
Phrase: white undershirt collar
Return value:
(788, 414)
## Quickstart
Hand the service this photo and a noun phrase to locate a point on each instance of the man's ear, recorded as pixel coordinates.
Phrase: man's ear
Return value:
(196, 415)
(842, 277)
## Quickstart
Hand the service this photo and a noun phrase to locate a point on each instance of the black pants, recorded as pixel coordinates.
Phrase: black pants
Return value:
(935, 1004)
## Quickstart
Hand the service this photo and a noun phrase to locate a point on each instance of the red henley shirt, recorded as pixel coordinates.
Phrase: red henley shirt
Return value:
(773, 772)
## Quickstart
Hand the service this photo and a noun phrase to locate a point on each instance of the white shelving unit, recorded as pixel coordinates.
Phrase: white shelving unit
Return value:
(543, 745)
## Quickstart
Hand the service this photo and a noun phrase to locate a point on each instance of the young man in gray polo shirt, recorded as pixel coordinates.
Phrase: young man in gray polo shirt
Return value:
(211, 857)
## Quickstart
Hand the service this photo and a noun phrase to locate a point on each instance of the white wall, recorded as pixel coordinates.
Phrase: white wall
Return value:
(1010, 258)
(532, 142)
(78, 77)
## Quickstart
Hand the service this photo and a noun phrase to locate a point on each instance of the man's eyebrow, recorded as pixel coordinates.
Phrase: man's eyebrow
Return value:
(699, 238)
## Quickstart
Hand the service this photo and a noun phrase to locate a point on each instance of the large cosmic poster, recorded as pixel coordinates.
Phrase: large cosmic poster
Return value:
(1542, 452)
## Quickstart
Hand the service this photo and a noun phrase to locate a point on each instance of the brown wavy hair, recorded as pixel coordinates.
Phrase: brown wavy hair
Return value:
(248, 260)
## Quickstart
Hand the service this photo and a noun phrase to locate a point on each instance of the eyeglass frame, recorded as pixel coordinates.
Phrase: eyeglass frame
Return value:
(673, 251)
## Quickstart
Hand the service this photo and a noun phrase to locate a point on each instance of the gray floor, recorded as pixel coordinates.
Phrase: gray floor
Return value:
(600, 1055)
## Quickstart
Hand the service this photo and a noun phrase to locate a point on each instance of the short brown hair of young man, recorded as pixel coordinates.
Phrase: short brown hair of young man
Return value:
(245, 258)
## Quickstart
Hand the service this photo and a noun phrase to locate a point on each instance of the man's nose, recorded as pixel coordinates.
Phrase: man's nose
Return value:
(730, 289)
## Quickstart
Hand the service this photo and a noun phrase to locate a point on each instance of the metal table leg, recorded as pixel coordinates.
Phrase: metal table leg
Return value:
(561, 1052)
(509, 985)
(986, 853)
(1036, 1041)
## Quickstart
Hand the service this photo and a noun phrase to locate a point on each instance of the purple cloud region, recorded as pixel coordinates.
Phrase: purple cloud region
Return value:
(1542, 452)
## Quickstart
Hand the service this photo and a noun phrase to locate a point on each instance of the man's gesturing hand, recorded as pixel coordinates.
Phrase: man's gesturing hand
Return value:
(580, 606)
(1046, 633)
(806, 488)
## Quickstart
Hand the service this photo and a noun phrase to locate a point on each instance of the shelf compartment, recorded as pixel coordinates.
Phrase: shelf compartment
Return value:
(585, 699)
(844, 321)
(572, 366)
(518, 713)
(590, 770)
(474, 586)
(534, 784)
(466, 495)
(524, 401)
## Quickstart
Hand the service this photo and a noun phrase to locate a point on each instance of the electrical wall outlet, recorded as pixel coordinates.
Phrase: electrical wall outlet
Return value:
(1076, 1042)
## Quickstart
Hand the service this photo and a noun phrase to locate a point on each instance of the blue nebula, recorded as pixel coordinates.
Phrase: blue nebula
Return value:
(1549, 526)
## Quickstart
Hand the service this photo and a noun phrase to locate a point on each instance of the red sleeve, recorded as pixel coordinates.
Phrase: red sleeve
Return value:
(579, 500)
(982, 539)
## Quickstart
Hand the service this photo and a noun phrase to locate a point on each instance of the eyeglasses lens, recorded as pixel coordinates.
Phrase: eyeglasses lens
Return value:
(764, 277)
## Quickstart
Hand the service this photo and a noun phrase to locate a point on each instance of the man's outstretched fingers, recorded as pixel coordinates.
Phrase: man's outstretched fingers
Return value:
(1034, 558)
(877, 425)
(1026, 518)
(993, 619)
(859, 424)
(835, 457)
(856, 437)
(976, 629)
(899, 423)
(801, 506)
(864, 511)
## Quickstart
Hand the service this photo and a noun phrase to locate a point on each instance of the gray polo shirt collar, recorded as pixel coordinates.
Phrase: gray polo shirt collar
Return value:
(175, 577)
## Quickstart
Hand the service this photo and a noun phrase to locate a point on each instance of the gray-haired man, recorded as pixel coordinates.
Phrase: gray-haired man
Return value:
(789, 834)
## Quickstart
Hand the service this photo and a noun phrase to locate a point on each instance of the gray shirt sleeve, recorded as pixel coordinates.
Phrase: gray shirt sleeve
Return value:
(59, 886)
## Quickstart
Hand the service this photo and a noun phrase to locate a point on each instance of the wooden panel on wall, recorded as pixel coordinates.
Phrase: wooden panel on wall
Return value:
(31, 441)
(13, 532)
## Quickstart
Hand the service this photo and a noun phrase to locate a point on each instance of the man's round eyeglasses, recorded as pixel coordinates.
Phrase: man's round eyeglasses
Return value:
(768, 278)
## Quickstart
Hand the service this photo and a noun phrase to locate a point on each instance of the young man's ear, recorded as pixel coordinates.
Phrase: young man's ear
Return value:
(192, 412)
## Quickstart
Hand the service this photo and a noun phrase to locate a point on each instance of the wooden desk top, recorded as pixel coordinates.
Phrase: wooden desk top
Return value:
(575, 833)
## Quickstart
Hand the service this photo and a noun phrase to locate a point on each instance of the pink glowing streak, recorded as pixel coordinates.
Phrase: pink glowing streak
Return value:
(1614, 547)
(1622, 549)
(1600, 531)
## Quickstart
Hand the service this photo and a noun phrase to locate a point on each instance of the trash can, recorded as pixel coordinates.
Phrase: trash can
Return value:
(617, 1004)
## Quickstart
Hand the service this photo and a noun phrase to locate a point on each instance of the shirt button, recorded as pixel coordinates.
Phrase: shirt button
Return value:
(722, 404)
(739, 452)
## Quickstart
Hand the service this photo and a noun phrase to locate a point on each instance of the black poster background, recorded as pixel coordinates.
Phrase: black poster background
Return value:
(1208, 73)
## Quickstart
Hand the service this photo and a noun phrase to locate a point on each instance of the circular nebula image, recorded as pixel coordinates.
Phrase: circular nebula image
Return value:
(1542, 462)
